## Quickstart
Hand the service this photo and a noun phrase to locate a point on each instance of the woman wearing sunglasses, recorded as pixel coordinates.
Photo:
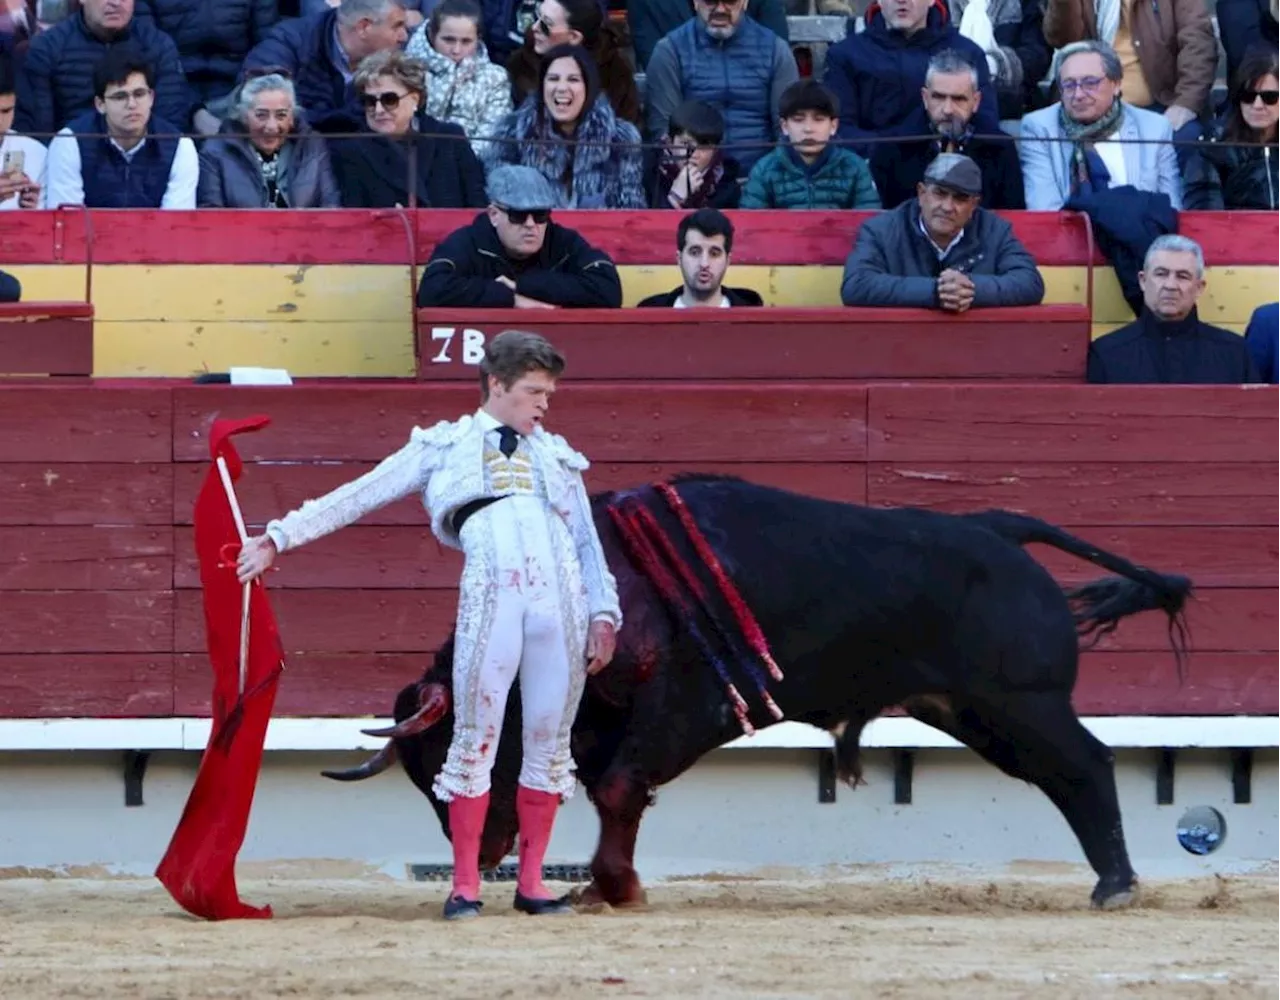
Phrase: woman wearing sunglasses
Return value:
(407, 158)
(1235, 167)
(463, 86)
(567, 131)
(265, 155)
(578, 22)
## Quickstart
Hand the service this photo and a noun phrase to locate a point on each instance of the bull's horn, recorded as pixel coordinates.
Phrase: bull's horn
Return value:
(376, 764)
(435, 703)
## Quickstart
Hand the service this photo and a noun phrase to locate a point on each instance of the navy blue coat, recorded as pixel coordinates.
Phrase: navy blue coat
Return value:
(303, 47)
(213, 36)
(56, 81)
(1245, 24)
(877, 76)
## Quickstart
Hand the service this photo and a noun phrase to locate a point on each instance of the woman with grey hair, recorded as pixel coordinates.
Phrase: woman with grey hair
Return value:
(265, 155)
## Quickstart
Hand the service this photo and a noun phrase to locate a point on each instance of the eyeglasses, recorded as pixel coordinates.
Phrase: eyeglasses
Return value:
(713, 4)
(125, 96)
(388, 99)
(1087, 85)
(1269, 97)
(518, 216)
(544, 26)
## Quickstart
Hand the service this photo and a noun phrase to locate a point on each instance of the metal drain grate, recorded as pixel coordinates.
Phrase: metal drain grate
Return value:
(503, 873)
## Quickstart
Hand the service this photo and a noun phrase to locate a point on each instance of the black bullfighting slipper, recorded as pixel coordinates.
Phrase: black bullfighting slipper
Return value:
(461, 908)
(541, 907)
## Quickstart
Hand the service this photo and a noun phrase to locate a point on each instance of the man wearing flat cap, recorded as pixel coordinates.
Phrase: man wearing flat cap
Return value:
(941, 250)
(513, 256)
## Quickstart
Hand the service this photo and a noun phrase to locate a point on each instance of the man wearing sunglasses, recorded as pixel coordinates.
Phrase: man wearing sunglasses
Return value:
(513, 256)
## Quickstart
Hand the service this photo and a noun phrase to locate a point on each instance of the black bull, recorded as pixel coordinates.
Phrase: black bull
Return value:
(864, 609)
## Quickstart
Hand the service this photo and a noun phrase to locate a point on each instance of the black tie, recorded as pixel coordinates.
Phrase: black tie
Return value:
(507, 440)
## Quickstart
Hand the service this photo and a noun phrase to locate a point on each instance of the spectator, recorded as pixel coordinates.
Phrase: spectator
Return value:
(1167, 344)
(877, 74)
(1243, 25)
(1241, 176)
(404, 146)
(415, 11)
(690, 171)
(950, 98)
(266, 156)
(734, 64)
(213, 37)
(322, 53)
(941, 251)
(704, 244)
(651, 20)
(19, 23)
(56, 81)
(1167, 55)
(22, 159)
(568, 133)
(1260, 337)
(577, 22)
(1102, 150)
(513, 255)
(10, 288)
(807, 171)
(463, 86)
(1012, 35)
(121, 155)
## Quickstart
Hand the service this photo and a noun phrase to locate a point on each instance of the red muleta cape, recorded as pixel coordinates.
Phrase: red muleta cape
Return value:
(198, 869)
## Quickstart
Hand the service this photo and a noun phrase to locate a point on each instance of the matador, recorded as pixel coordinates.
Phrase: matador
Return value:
(536, 597)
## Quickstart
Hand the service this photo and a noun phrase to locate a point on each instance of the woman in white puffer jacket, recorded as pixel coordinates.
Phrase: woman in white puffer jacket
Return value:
(463, 86)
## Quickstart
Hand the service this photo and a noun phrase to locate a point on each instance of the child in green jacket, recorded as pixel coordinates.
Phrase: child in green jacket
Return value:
(808, 171)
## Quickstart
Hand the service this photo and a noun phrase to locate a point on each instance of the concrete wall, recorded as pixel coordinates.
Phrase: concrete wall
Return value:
(737, 810)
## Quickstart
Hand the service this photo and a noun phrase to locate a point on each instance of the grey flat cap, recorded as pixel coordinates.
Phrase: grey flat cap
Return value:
(519, 187)
(955, 172)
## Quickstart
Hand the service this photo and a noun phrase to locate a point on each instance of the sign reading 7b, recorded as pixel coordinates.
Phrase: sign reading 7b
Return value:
(472, 345)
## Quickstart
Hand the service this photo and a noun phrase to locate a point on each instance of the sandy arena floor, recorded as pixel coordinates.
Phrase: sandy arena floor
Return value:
(857, 933)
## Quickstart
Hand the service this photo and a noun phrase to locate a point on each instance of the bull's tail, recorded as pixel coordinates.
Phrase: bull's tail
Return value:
(1099, 606)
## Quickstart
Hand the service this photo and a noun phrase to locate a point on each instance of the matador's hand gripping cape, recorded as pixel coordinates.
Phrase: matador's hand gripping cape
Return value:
(198, 869)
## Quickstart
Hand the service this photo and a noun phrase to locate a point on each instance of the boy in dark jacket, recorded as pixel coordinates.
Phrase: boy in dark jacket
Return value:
(690, 171)
(807, 171)
(514, 256)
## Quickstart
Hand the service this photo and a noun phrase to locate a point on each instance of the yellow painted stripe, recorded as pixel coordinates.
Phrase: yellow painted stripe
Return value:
(177, 320)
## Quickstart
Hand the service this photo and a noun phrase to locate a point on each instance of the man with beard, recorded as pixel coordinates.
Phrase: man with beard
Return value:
(1168, 344)
(704, 240)
(513, 256)
(941, 251)
(951, 97)
(733, 63)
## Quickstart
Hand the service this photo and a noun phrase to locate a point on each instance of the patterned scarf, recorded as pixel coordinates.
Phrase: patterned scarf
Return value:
(271, 177)
(1084, 135)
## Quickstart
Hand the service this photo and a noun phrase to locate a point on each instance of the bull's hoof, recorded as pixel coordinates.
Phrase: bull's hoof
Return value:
(593, 898)
(1114, 895)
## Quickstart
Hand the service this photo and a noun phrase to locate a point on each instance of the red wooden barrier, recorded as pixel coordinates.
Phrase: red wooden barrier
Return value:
(351, 236)
(100, 610)
(46, 338)
(1040, 343)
